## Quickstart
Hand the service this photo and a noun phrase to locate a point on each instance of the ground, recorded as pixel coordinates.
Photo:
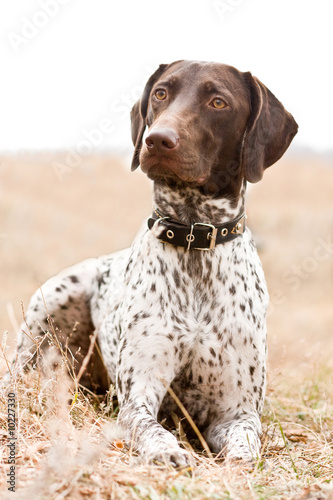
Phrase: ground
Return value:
(51, 218)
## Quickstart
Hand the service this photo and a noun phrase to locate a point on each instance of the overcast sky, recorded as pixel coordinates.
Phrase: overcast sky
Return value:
(70, 67)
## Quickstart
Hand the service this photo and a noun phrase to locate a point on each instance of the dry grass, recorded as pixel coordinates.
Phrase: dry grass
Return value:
(69, 446)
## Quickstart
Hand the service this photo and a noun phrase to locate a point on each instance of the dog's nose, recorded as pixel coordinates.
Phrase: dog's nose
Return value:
(162, 140)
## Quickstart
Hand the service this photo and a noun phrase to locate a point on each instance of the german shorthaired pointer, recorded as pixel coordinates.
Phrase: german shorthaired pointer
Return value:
(185, 306)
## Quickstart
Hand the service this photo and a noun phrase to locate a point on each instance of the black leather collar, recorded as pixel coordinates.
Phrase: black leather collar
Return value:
(197, 236)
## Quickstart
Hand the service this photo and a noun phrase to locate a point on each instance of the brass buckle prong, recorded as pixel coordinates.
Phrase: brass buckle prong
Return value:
(190, 237)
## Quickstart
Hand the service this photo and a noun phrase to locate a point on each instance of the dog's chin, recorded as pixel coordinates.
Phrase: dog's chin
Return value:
(160, 172)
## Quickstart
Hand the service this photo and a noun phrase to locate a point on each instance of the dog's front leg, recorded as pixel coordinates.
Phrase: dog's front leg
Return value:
(146, 367)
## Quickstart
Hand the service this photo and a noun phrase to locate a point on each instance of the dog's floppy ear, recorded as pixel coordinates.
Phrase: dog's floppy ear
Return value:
(139, 115)
(269, 132)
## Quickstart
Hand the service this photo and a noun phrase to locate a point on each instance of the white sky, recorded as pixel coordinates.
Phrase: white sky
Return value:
(69, 65)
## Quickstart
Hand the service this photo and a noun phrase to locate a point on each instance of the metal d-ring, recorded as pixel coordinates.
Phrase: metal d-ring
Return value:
(157, 221)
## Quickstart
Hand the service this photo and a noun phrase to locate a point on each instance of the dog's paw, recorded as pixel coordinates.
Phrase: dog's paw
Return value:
(176, 457)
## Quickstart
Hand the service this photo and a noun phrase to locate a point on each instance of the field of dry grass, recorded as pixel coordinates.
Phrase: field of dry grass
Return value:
(74, 450)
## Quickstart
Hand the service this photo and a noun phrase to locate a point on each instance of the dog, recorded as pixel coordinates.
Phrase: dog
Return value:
(185, 306)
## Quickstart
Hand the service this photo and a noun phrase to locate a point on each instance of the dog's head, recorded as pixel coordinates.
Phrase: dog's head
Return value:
(209, 125)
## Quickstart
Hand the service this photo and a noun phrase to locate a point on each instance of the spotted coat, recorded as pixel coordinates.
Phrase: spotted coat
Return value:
(165, 316)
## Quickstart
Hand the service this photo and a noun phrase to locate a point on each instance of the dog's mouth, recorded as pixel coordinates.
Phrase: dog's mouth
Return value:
(159, 168)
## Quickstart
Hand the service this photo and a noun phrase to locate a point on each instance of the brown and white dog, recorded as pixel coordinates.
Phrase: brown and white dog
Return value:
(185, 306)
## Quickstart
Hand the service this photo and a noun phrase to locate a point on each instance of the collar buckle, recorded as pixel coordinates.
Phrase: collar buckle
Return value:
(210, 236)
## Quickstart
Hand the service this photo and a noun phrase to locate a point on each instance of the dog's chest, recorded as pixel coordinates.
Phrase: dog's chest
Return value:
(192, 296)
(194, 310)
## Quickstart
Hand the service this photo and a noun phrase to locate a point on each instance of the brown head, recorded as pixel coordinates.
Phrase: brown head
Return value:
(209, 126)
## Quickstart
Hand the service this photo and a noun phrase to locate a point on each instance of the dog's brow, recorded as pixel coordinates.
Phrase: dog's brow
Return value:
(215, 87)
(167, 83)
(210, 86)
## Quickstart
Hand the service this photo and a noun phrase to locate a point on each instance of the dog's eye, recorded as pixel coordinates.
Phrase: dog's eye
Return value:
(160, 94)
(218, 103)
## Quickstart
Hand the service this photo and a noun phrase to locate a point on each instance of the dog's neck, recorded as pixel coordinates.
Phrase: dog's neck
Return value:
(188, 204)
